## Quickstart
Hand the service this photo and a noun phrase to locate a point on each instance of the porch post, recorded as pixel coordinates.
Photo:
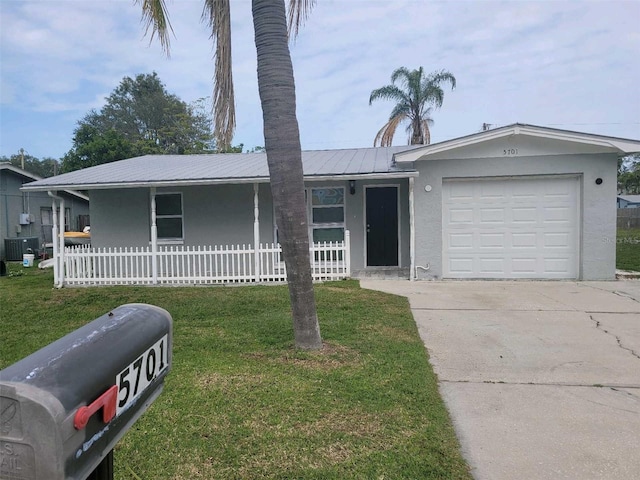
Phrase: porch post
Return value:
(347, 252)
(154, 238)
(61, 230)
(54, 239)
(256, 233)
(412, 230)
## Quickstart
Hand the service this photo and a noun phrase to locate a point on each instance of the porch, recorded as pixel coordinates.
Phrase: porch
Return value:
(184, 265)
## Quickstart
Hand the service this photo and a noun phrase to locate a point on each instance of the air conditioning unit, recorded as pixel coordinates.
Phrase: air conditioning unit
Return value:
(14, 248)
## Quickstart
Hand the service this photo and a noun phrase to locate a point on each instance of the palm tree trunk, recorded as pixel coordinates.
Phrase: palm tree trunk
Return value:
(284, 156)
(416, 131)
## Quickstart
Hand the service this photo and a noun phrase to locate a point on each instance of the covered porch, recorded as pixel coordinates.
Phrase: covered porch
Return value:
(168, 259)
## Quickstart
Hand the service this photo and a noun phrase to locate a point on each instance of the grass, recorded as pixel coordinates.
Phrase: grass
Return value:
(628, 250)
(241, 403)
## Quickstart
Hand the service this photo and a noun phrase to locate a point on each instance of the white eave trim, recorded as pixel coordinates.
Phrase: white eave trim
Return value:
(219, 181)
(617, 145)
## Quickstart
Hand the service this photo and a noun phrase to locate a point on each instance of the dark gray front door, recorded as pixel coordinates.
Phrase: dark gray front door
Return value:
(382, 226)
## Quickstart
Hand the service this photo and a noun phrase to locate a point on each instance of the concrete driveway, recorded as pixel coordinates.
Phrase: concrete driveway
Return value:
(542, 379)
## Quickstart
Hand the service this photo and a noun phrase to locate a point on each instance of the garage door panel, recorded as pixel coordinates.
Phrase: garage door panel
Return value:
(557, 265)
(557, 240)
(492, 192)
(524, 240)
(492, 240)
(461, 265)
(459, 192)
(515, 228)
(461, 215)
(557, 214)
(461, 240)
(492, 266)
(524, 215)
(492, 215)
(524, 265)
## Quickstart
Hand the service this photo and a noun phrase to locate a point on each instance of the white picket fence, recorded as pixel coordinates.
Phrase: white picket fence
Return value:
(178, 265)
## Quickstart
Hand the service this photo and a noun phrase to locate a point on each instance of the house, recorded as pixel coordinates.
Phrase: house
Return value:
(517, 202)
(628, 201)
(26, 217)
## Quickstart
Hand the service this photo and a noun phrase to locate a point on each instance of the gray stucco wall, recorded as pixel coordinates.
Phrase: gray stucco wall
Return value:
(212, 215)
(597, 203)
(224, 215)
(120, 218)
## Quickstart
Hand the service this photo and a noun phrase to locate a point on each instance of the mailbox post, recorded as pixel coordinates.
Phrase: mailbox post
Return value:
(63, 408)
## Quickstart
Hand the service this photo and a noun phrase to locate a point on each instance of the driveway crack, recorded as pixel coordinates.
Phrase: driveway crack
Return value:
(615, 292)
(600, 327)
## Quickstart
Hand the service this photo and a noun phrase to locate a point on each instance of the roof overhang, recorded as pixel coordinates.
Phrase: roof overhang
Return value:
(32, 176)
(216, 181)
(620, 146)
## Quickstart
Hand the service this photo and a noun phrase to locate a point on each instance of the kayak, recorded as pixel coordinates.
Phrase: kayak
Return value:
(77, 238)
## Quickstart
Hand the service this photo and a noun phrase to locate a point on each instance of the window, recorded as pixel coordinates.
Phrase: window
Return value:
(46, 217)
(169, 216)
(327, 214)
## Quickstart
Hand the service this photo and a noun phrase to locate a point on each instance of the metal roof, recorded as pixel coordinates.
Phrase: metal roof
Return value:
(165, 170)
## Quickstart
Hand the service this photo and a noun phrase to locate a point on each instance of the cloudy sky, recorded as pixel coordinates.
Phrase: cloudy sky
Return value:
(564, 64)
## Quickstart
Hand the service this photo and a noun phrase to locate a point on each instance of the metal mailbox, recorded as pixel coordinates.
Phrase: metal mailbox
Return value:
(63, 408)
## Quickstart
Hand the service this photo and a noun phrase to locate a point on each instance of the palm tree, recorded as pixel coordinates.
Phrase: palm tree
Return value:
(282, 138)
(413, 103)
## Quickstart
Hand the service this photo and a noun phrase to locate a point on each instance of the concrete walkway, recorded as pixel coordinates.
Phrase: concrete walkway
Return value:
(542, 379)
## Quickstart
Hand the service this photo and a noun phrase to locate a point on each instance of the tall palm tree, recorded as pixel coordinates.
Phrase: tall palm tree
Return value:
(414, 99)
(282, 138)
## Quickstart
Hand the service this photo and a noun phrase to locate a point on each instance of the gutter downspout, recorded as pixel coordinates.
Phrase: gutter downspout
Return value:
(57, 236)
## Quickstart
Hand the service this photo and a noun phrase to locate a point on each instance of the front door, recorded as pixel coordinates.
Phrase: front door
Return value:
(382, 226)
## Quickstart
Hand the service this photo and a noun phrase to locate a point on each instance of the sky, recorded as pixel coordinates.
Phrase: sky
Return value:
(564, 64)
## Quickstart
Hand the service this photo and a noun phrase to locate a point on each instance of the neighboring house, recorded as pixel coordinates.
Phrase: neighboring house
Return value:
(628, 201)
(515, 202)
(26, 216)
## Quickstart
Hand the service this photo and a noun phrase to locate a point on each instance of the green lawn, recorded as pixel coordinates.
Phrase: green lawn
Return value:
(241, 403)
(628, 250)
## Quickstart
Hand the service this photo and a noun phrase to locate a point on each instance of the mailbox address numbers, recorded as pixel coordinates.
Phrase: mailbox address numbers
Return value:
(137, 376)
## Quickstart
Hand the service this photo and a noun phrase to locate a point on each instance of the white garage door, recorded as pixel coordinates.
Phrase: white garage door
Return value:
(510, 228)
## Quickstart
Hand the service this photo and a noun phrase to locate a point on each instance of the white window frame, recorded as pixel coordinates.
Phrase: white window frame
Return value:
(310, 208)
(308, 195)
(49, 213)
(170, 240)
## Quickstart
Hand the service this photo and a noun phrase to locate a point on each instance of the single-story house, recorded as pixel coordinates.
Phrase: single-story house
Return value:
(516, 202)
(628, 201)
(26, 217)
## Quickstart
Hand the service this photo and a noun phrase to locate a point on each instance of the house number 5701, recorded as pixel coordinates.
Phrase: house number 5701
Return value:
(509, 151)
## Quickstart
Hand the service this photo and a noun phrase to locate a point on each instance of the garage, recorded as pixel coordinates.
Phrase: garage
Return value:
(513, 227)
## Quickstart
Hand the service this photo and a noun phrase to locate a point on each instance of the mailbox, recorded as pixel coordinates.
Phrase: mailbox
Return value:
(63, 408)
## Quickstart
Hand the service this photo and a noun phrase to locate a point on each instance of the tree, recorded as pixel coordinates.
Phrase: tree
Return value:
(414, 102)
(139, 118)
(282, 139)
(629, 174)
(47, 167)
(92, 147)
